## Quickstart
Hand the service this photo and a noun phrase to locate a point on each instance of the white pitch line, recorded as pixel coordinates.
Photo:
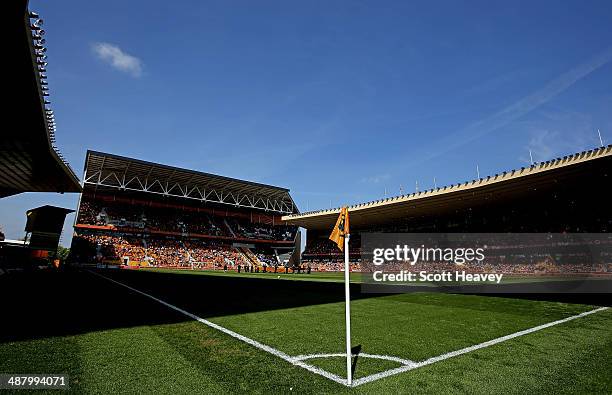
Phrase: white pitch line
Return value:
(238, 336)
(408, 365)
(466, 350)
(362, 354)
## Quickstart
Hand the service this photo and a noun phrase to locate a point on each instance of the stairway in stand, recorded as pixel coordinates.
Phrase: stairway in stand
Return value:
(249, 256)
(229, 228)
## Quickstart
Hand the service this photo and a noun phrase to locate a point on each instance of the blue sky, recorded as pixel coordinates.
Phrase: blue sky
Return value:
(338, 101)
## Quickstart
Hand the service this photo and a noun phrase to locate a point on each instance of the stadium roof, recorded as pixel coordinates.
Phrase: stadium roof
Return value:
(28, 160)
(512, 183)
(113, 172)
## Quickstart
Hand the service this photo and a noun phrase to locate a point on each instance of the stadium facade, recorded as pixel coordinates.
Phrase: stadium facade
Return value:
(136, 213)
(564, 195)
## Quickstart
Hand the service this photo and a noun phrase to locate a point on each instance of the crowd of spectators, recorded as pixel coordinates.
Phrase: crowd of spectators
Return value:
(541, 268)
(438, 267)
(328, 265)
(89, 213)
(245, 229)
(504, 253)
(155, 252)
(266, 256)
(179, 221)
(524, 265)
(212, 254)
(108, 246)
(318, 247)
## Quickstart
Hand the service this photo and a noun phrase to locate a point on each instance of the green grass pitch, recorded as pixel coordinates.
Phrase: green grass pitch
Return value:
(111, 339)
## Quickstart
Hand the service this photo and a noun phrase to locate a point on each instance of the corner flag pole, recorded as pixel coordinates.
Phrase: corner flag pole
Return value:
(340, 235)
(347, 297)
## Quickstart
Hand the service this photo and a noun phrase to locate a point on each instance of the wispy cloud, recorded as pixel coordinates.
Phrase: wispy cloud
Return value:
(520, 108)
(543, 145)
(117, 58)
(493, 84)
(557, 134)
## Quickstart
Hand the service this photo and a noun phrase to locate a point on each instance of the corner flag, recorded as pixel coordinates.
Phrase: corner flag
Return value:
(341, 235)
(341, 229)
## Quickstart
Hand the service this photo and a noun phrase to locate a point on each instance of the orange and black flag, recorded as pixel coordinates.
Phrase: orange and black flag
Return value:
(341, 229)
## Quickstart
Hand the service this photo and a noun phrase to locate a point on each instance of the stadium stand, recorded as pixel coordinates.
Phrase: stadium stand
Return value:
(30, 161)
(135, 213)
(564, 195)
